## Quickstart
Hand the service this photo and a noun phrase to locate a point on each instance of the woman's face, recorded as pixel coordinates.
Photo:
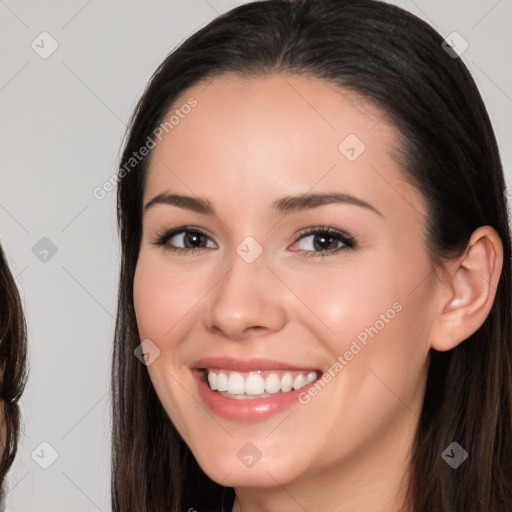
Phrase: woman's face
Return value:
(257, 297)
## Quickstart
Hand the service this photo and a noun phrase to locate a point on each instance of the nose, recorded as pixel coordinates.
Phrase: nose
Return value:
(246, 301)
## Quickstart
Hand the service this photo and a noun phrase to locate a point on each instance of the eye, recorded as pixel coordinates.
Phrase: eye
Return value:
(320, 241)
(184, 240)
(324, 241)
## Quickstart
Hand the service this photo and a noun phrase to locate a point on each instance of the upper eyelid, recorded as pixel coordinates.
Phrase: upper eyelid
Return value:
(170, 233)
(323, 229)
(342, 235)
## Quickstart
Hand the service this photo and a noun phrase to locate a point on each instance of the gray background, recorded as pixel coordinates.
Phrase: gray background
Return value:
(62, 121)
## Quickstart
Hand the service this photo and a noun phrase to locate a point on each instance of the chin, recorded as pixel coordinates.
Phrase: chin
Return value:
(232, 472)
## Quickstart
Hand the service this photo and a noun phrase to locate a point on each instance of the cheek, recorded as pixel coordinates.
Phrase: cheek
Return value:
(376, 316)
(339, 304)
(162, 297)
(164, 301)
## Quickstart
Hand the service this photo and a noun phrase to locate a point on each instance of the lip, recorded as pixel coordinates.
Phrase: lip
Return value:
(246, 411)
(246, 365)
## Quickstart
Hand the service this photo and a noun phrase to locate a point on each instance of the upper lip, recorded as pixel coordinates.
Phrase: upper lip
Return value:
(246, 365)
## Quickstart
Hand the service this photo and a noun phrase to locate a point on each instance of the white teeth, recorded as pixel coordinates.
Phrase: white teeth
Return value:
(254, 385)
(310, 377)
(222, 382)
(287, 382)
(257, 384)
(236, 384)
(212, 380)
(272, 383)
(299, 381)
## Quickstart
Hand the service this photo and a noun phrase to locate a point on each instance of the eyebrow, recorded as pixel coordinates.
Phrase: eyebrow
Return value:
(282, 206)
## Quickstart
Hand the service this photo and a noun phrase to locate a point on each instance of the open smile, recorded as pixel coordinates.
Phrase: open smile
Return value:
(252, 390)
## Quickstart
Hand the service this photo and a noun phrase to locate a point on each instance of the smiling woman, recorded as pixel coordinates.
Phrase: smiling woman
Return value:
(329, 221)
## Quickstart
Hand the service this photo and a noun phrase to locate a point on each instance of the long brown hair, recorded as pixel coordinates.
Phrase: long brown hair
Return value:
(13, 365)
(450, 154)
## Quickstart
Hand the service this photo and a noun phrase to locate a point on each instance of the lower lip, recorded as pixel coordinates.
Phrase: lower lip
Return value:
(246, 411)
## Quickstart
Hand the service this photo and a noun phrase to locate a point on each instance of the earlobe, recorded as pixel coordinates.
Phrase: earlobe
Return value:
(472, 283)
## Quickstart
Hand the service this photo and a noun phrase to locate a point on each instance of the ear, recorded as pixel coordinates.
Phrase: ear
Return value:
(471, 282)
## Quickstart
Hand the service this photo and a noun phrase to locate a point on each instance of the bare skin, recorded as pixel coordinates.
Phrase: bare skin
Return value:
(246, 144)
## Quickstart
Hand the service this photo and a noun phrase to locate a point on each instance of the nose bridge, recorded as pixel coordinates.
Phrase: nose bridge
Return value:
(245, 299)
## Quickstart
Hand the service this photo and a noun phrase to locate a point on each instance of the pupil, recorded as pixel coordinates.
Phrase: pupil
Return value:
(192, 238)
(323, 245)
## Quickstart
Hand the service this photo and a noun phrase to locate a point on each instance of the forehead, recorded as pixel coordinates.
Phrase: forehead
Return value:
(255, 138)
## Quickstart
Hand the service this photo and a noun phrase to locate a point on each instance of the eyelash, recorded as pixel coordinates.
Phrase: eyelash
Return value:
(348, 241)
